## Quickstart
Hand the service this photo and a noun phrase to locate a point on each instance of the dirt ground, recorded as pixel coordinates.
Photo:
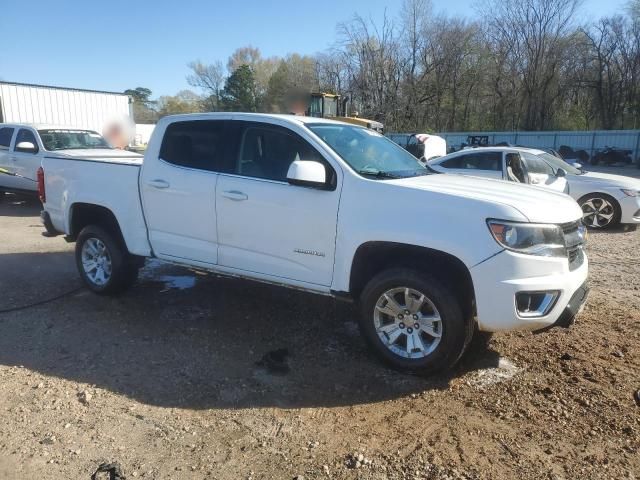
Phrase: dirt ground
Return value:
(166, 381)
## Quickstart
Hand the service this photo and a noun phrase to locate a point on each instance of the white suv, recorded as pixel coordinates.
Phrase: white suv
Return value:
(606, 200)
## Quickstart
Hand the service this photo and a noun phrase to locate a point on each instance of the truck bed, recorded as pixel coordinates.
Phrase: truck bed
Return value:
(110, 182)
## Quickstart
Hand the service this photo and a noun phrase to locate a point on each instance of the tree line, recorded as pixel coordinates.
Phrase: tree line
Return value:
(518, 65)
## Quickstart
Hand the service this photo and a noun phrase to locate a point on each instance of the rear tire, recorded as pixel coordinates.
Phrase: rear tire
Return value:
(104, 264)
(399, 311)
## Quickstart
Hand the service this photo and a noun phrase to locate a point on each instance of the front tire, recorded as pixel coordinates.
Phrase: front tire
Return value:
(600, 211)
(413, 322)
(103, 262)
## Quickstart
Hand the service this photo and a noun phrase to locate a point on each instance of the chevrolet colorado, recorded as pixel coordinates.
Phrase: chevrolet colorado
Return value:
(334, 209)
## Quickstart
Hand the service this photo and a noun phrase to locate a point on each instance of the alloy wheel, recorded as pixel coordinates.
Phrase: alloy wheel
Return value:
(597, 212)
(96, 261)
(407, 322)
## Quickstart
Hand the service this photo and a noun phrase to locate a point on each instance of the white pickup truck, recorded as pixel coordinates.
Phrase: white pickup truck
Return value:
(22, 147)
(334, 209)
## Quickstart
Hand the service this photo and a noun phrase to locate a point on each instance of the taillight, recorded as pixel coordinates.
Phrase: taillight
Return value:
(41, 192)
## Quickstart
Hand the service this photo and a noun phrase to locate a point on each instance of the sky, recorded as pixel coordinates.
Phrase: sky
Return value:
(121, 44)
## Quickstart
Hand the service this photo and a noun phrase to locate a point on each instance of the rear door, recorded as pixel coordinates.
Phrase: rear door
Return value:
(6, 162)
(26, 162)
(542, 174)
(267, 226)
(179, 191)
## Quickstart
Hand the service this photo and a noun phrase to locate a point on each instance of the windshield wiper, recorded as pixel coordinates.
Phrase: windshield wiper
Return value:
(378, 174)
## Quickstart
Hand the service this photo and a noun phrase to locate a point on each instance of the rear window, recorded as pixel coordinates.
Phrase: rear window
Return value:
(5, 137)
(491, 161)
(196, 144)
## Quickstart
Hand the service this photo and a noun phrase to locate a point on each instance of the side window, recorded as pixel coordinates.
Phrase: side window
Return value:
(25, 135)
(455, 162)
(267, 151)
(5, 137)
(491, 161)
(536, 164)
(196, 144)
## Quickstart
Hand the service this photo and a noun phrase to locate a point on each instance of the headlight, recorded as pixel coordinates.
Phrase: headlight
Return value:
(531, 238)
(629, 192)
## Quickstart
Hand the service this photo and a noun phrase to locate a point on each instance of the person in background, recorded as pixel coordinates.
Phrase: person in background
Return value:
(117, 133)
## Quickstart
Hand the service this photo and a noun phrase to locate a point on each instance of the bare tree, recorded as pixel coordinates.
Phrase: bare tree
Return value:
(523, 64)
(537, 33)
(209, 78)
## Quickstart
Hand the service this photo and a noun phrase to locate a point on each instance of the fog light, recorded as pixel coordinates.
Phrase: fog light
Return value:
(535, 304)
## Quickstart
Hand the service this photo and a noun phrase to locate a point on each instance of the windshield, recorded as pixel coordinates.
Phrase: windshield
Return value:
(71, 139)
(368, 152)
(557, 163)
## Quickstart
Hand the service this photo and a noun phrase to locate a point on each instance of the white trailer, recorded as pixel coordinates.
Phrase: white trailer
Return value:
(69, 107)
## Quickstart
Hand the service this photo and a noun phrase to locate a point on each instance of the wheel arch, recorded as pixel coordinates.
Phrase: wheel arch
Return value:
(598, 192)
(373, 257)
(83, 214)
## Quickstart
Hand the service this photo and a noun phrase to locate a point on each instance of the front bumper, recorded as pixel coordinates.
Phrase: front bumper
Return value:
(498, 279)
(573, 308)
(630, 208)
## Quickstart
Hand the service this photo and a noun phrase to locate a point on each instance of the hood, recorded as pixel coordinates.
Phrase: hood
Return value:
(606, 179)
(538, 205)
(97, 153)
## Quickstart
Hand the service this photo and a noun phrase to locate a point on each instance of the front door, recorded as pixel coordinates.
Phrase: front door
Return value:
(26, 163)
(179, 192)
(542, 174)
(266, 225)
(6, 159)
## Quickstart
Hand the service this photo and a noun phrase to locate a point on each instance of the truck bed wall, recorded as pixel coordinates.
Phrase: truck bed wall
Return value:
(109, 184)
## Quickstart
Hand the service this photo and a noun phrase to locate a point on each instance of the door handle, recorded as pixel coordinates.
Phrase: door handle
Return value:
(158, 183)
(235, 195)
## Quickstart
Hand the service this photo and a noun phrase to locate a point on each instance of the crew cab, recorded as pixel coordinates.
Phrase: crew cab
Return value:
(22, 147)
(606, 200)
(334, 209)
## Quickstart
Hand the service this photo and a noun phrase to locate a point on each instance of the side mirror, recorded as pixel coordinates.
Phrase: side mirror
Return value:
(26, 147)
(561, 173)
(578, 165)
(307, 173)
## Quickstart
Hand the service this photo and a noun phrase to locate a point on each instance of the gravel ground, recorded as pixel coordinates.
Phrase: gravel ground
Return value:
(167, 381)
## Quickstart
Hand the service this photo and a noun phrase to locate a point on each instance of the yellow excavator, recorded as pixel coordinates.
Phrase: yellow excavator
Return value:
(329, 105)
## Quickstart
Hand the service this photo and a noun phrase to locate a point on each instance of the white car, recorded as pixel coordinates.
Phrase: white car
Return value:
(334, 209)
(23, 146)
(606, 200)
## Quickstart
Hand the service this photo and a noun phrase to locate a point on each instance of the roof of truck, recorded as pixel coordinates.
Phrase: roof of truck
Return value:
(253, 116)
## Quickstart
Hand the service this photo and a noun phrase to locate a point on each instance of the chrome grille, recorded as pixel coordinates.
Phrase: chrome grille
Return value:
(574, 240)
